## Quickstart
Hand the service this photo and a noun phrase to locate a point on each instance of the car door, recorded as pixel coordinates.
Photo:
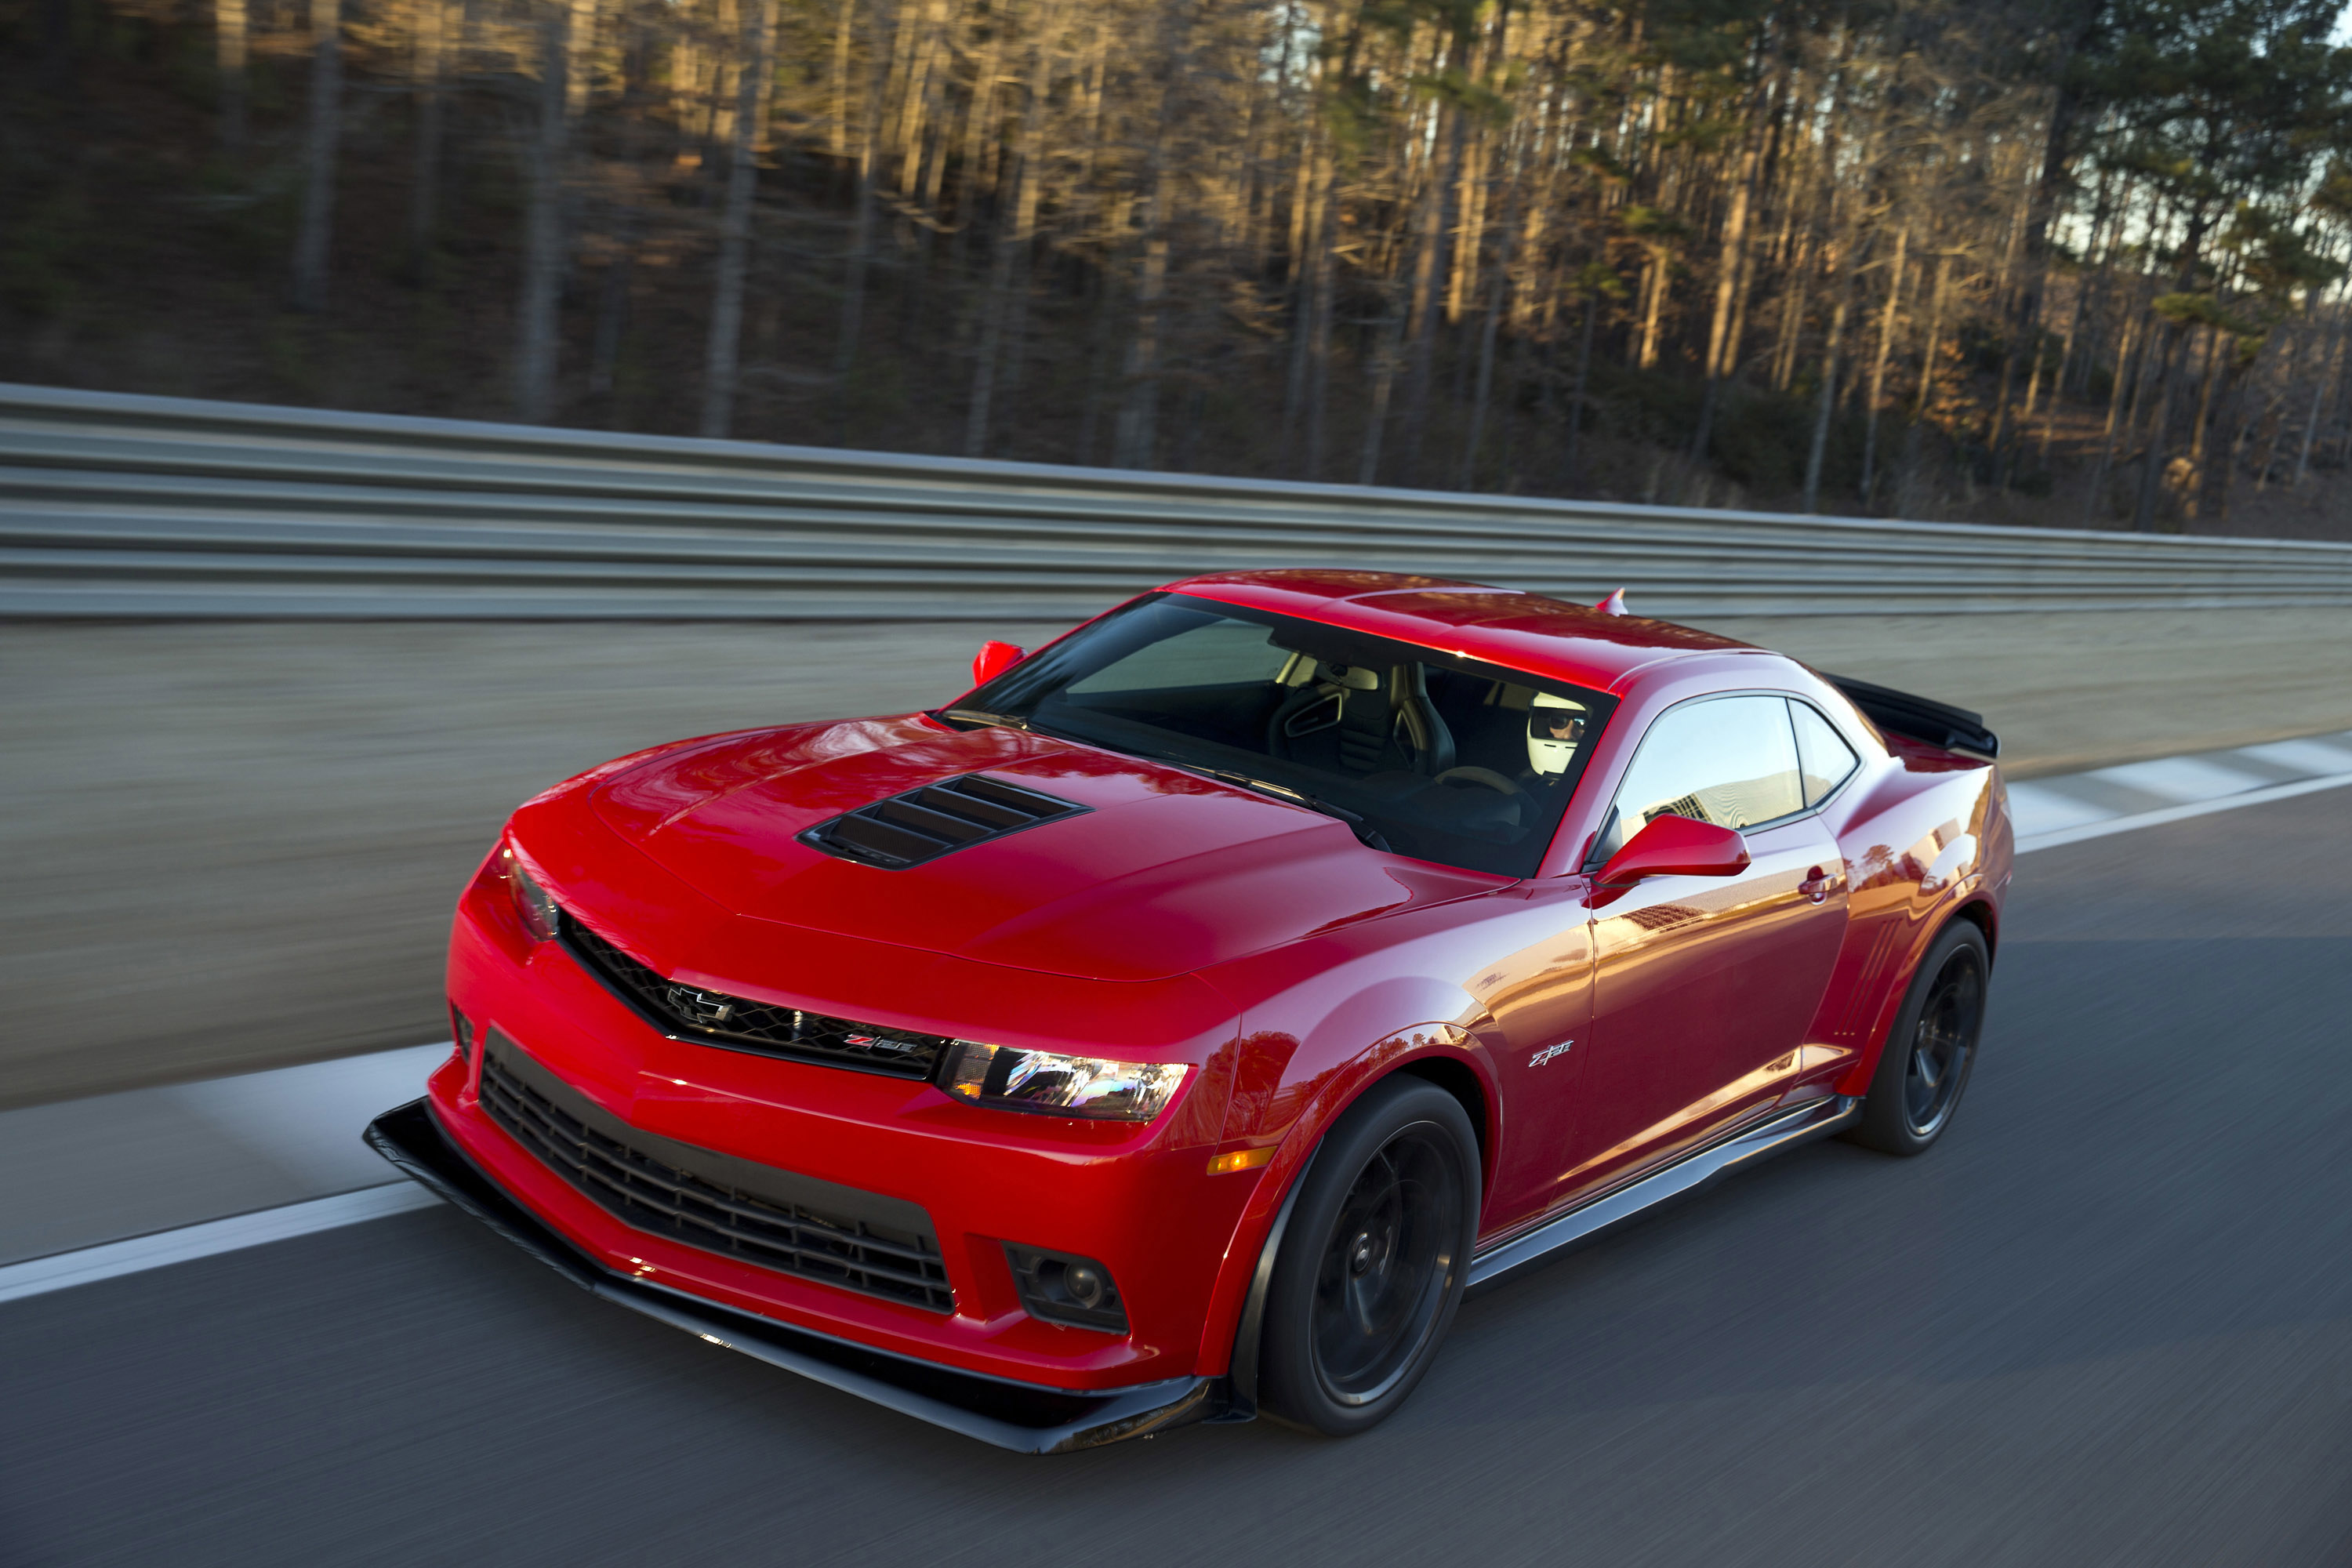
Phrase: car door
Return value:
(1704, 986)
(1535, 987)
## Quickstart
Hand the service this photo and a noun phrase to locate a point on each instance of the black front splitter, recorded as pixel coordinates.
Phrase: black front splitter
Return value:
(1021, 1416)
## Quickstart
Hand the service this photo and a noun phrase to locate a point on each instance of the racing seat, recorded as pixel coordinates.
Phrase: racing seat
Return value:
(1347, 719)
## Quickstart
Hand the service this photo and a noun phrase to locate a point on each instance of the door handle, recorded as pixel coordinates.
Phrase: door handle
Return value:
(1818, 884)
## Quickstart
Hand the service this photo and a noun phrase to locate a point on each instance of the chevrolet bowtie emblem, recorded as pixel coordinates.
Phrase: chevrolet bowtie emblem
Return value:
(705, 1007)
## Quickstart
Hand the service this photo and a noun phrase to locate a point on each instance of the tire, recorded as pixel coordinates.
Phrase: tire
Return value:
(1374, 1260)
(1932, 1048)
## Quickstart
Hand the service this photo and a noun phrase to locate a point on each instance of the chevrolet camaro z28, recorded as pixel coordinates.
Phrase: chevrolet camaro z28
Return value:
(1175, 1026)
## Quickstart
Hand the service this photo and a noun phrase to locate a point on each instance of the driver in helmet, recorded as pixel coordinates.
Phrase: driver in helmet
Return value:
(1555, 729)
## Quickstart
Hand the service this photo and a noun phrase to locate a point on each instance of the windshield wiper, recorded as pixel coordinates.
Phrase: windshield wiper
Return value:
(979, 716)
(1364, 830)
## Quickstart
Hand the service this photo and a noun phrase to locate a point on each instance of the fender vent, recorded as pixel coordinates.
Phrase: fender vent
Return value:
(935, 820)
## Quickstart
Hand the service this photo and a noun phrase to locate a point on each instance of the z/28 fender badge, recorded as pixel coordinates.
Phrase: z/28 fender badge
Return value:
(1549, 1052)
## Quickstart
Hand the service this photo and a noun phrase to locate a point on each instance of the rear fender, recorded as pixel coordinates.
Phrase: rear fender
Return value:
(1961, 865)
(1968, 901)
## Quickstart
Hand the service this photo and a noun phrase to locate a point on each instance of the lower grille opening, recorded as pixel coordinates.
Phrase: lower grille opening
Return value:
(654, 1184)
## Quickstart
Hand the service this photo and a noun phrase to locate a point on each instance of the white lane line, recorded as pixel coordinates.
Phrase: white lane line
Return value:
(2037, 810)
(2182, 779)
(2319, 754)
(2027, 844)
(64, 1270)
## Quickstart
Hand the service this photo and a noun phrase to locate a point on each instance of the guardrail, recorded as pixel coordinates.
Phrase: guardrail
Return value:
(114, 505)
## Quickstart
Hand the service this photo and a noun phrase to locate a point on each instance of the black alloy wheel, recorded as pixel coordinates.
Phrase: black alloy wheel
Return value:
(1375, 1260)
(1932, 1048)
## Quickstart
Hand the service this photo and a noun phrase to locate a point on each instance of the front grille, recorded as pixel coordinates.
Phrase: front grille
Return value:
(925, 824)
(744, 1025)
(609, 1162)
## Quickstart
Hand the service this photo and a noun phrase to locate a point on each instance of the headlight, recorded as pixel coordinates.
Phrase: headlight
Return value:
(538, 912)
(1061, 1086)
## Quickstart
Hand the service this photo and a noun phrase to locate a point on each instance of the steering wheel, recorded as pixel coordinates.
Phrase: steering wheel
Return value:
(1487, 776)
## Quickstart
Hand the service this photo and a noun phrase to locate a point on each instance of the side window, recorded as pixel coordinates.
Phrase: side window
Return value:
(1822, 753)
(1731, 760)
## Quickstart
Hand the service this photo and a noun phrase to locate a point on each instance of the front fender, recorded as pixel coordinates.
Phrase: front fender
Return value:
(1292, 1115)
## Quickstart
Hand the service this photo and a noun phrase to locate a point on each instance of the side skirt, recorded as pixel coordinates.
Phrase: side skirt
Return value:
(1024, 1417)
(1680, 1179)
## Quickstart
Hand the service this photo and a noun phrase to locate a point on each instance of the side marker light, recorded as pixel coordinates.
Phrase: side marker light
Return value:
(1241, 1160)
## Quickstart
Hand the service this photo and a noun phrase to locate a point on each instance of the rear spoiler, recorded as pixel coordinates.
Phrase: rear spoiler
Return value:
(1922, 718)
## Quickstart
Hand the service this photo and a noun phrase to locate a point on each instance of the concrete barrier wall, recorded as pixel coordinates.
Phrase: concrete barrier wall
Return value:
(122, 506)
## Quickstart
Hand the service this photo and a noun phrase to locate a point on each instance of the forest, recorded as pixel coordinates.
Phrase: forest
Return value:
(2072, 263)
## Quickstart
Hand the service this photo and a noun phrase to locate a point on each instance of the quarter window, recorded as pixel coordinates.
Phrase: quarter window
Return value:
(1730, 760)
(1822, 753)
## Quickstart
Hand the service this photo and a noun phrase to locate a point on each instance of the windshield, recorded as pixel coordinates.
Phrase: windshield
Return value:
(1433, 755)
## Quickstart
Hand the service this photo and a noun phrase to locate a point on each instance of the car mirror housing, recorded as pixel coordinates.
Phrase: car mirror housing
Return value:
(1674, 846)
(992, 660)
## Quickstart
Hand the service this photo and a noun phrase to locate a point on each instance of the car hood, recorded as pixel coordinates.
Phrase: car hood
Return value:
(1164, 873)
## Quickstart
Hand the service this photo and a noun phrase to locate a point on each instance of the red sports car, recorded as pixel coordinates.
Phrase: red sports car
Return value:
(1176, 1024)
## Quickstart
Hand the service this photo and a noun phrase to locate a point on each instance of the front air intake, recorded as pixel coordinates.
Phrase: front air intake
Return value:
(935, 820)
(722, 1202)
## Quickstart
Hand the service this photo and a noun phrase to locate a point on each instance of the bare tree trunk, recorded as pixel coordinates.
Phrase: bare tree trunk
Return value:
(229, 49)
(2208, 377)
(1385, 355)
(1792, 316)
(836, 123)
(915, 105)
(1428, 282)
(2176, 345)
(1935, 330)
(578, 73)
(424, 191)
(1014, 239)
(320, 148)
(1660, 264)
(1136, 440)
(1497, 291)
(1576, 395)
(722, 355)
(2311, 418)
(978, 118)
(1722, 350)
(1306, 246)
(1878, 367)
(2065, 362)
(2093, 503)
(1826, 403)
(613, 305)
(543, 248)
(861, 238)
(1099, 361)
(2151, 477)
(1320, 301)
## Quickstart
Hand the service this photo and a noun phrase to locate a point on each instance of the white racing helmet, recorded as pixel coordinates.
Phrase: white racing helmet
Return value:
(1555, 729)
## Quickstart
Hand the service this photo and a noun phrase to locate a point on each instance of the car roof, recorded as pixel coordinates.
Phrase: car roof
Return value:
(1501, 625)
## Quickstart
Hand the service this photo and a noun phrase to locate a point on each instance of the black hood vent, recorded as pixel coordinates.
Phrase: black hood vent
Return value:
(927, 822)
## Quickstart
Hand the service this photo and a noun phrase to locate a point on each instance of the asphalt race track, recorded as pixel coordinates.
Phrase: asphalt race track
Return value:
(2109, 1319)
